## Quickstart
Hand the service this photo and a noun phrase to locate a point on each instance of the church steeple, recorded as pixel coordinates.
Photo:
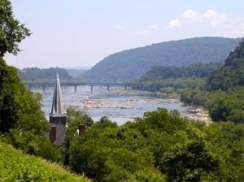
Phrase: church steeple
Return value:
(57, 104)
(57, 116)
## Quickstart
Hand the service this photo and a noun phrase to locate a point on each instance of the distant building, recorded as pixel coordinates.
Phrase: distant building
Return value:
(57, 116)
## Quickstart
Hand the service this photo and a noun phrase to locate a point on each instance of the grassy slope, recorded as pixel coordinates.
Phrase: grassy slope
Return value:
(16, 166)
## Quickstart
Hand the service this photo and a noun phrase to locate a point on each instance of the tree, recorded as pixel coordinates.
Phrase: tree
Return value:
(11, 31)
(21, 120)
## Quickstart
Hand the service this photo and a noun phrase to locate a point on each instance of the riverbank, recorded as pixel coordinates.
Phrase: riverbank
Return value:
(198, 114)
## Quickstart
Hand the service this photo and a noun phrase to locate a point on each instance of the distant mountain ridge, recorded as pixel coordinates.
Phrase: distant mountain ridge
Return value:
(129, 64)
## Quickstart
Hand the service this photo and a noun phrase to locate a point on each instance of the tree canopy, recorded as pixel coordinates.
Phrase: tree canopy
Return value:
(12, 31)
(231, 74)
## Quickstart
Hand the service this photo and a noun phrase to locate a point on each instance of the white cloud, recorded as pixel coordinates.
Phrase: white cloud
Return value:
(174, 23)
(192, 15)
(210, 18)
(214, 18)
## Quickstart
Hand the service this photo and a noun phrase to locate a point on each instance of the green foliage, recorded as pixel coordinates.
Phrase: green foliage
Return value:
(33, 144)
(39, 75)
(21, 118)
(11, 31)
(9, 83)
(228, 139)
(133, 63)
(166, 72)
(161, 146)
(74, 119)
(15, 166)
(104, 122)
(222, 94)
(170, 79)
(19, 107)
(231, 74)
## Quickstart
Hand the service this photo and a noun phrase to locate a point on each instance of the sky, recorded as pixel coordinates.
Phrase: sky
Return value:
(81, 33)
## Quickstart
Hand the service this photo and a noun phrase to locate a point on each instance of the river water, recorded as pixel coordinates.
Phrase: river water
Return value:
(117, 104)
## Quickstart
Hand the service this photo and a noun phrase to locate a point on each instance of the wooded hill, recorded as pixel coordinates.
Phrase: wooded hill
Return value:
(160, 77)
(222, 93)
(37, 74)
(133, 63)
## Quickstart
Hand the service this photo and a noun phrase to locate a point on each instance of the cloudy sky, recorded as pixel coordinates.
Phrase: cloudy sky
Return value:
(80, 33)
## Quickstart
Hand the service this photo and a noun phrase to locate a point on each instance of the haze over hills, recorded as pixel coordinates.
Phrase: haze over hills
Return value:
(129, 64)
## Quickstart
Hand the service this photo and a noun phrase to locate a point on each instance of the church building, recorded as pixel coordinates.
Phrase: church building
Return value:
(57, 116)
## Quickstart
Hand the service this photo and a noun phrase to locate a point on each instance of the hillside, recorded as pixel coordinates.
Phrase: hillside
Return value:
(133, 63)
(37, 74)
(16, 166)
(161, 78)
(222, 94)
(75, 73)
(231, 74)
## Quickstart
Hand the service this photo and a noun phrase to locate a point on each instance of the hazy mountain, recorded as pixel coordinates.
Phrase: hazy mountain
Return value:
(76, 72)
(133, 63)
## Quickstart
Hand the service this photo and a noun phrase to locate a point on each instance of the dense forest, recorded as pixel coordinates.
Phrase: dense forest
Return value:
(130, 64)
(159, 78)
(222, 93)
(160, 146)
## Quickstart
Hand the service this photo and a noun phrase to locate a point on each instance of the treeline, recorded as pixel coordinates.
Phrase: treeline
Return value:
(161, 77)
(222, 94)
(37, 74)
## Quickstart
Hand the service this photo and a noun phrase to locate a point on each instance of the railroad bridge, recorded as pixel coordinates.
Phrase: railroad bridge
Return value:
(43, 85)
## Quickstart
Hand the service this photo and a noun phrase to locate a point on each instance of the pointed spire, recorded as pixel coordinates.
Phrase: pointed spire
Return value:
(57, 104)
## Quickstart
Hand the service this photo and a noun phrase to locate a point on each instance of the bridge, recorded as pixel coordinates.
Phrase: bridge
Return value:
(76, 84)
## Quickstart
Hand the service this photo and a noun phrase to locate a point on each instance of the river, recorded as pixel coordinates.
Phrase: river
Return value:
(117, 104)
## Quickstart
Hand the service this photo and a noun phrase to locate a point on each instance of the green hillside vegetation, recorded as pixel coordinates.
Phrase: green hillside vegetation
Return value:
(37, 74)
(166, 78)
(231, 74)
(16, 166)
(222, 93)
(133, 63)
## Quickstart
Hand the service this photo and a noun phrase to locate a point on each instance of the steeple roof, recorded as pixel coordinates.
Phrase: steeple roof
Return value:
(57, 104)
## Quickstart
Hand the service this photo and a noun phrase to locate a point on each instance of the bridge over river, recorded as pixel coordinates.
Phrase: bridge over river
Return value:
(76, 84)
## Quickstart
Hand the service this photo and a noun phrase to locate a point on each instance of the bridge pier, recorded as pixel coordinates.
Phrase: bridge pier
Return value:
(108, 87)
(44, 88)
(91, 88)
